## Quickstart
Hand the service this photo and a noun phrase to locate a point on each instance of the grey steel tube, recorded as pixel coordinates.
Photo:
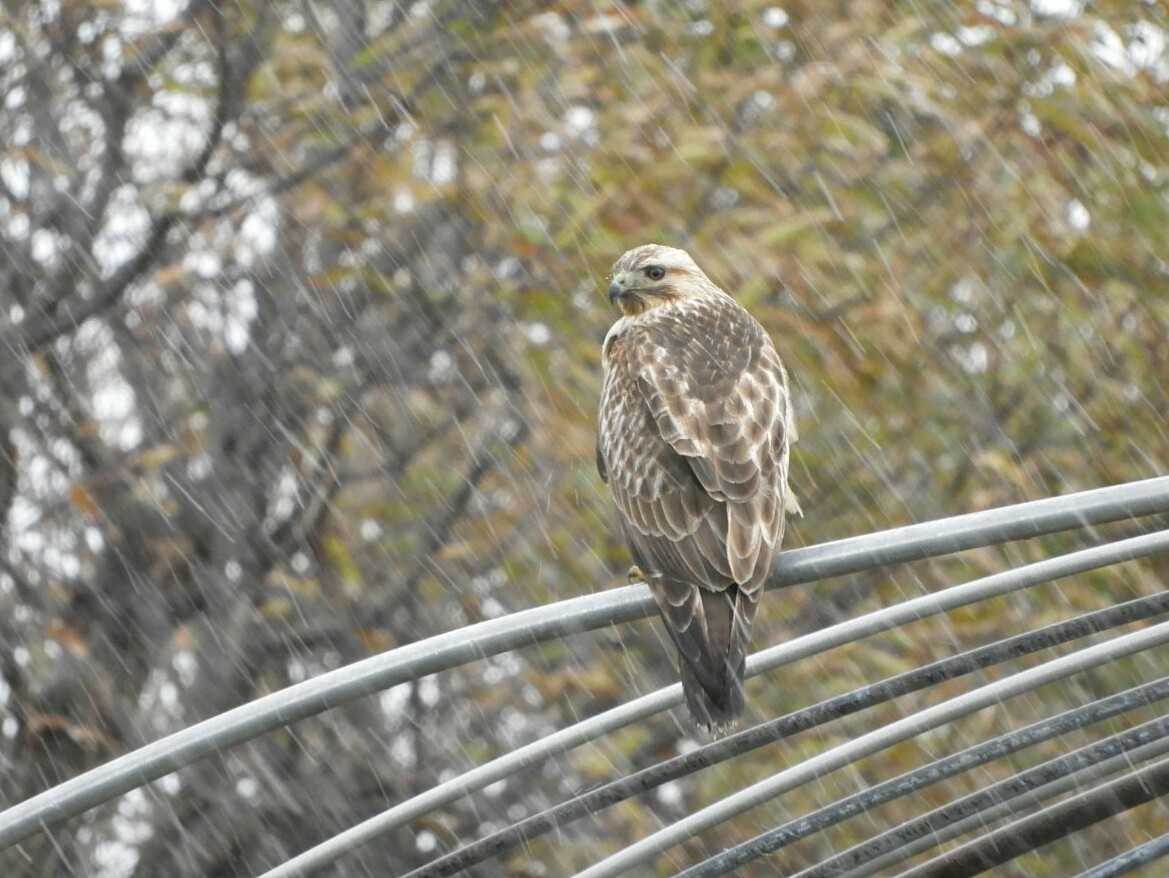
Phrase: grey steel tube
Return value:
(1051, 824)
(773, 657)
(454, 648)
(1139, 856)
(981, 820)
(928, 827)
(845, 704)
(873, 742)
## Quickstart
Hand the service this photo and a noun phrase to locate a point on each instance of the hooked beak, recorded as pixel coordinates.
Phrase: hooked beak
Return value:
(617, 288)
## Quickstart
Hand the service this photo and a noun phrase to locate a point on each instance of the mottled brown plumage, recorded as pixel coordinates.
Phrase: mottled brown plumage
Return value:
(693, 435)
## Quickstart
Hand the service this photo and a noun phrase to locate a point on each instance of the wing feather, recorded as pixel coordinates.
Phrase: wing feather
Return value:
(717, 393)
(693, 440)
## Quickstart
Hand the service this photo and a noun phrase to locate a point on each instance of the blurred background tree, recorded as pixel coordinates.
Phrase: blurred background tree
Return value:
(300, 311)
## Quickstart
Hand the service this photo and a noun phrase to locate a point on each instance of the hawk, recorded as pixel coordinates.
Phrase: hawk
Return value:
(693, 435)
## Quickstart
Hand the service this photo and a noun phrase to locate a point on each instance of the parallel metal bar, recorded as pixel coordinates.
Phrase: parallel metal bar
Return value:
(802, 647)
(873, 742)
(939, 770)
(1051, 824)
(979, 821)
(975, 529)
(454, 648)
(1139, 856)
(768, 732)
(980, 809)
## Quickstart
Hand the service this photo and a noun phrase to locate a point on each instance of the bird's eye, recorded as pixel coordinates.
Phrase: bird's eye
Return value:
(655, 272)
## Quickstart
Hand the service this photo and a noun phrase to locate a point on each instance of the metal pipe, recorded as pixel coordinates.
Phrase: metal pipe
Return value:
(873, 742)
(639, 782)
(454, 648)
(1139, 856)
(927, 826)
(768, 659)
(980, 809)
(801, 647)
(981, 820)
(1051, 824)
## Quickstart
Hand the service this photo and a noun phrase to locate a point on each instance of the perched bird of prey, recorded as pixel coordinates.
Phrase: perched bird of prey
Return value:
(693, 436)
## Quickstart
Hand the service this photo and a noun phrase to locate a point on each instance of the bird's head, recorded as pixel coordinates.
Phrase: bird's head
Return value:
(653, 275)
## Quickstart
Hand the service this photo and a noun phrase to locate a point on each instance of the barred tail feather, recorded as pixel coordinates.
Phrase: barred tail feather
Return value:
(711, 630)
(717, 711)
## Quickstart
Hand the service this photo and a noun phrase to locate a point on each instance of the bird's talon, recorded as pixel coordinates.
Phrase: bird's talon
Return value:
(634, 575)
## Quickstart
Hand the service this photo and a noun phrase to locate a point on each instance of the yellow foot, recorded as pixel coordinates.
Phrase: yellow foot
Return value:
(634, 575)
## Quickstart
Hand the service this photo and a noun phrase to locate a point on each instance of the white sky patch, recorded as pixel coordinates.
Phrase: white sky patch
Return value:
(394, 700)
(428, 691)
(539, 333)
(975, 36)
(168, 695)
(553, 26)
(44, 246)
(15, 98)
(1078, 216)
(997, 11)
(240, 310)
(114, 858)
(946, 44)
(442, 366)
(149, 14)
(370, 530)
(1062, 75)
(1057, 8)
(257, 233)
(1110, 48)
(1029, 122)
(186, 666)
(444, 165)
(403, 201)
(774, 17)
(165, 137)
(7, 46)
(123, 234)
(113, 398)
(670, 794)
(975, 358)
(1147, 48)
(199, 467)
(14, 172)
(283, 500)
(580, 119)
(18, 227)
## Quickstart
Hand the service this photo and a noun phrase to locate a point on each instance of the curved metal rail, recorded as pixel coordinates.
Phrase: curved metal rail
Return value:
(873, 742)
(765, 660)
(1142, 854)
(1141, 785)
(931, 829)
(980, 820)
(848, 703)
(454, 648)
